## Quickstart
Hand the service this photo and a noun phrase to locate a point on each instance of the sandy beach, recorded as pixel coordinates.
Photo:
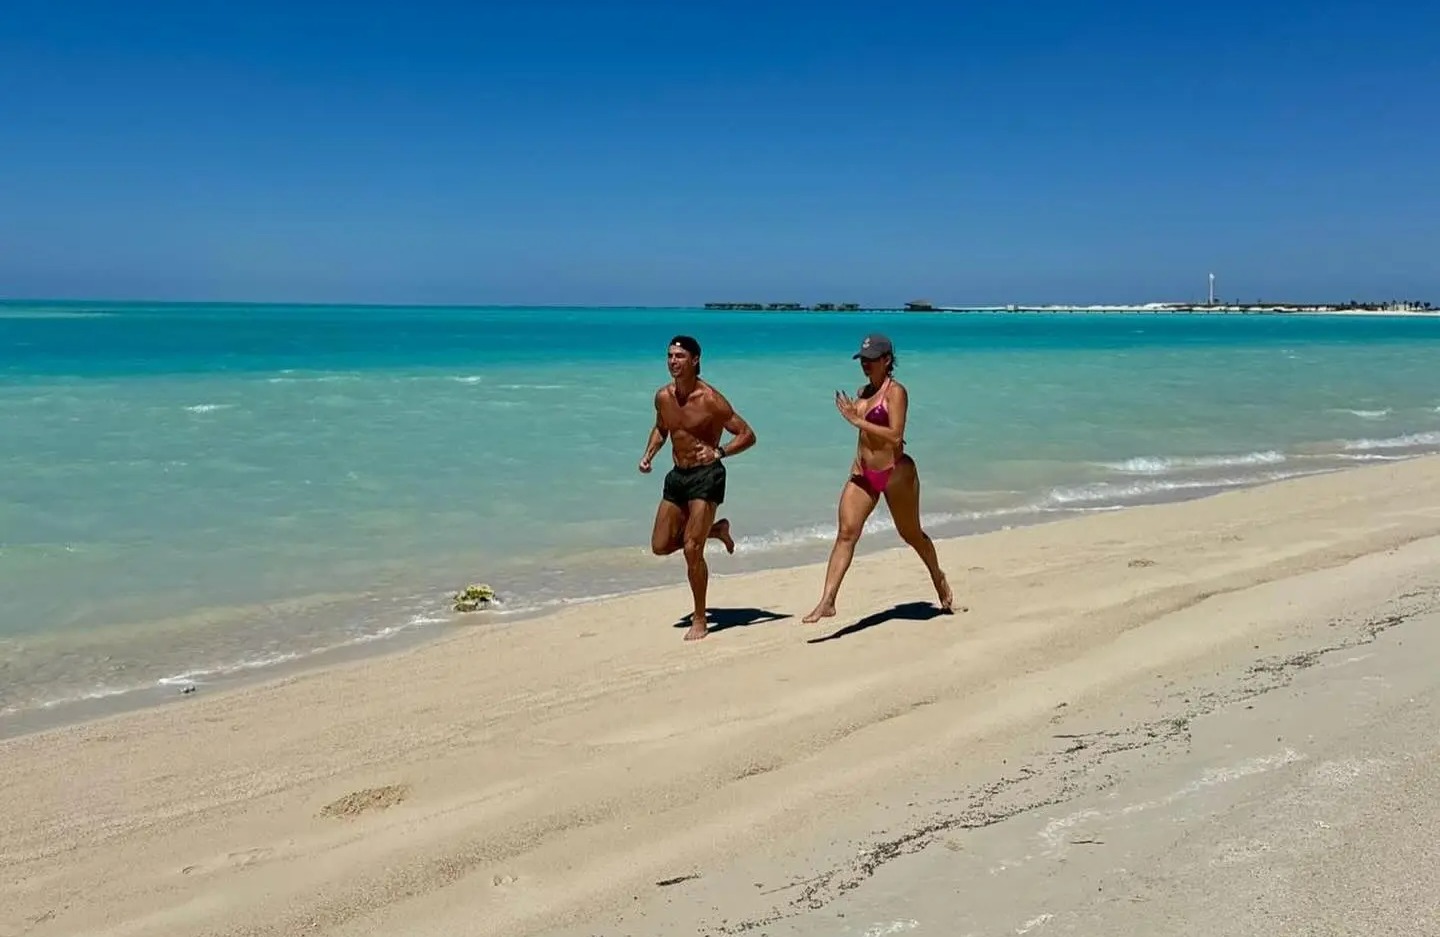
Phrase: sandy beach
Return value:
(1216, 714)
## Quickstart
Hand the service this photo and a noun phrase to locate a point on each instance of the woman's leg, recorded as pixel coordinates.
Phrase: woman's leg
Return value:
(902, 496)
(856, 503)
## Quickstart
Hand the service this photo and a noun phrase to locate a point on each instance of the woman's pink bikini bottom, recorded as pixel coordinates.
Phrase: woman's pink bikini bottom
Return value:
(876, 479)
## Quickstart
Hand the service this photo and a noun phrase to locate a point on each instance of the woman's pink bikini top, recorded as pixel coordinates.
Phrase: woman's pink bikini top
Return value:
(878, 414)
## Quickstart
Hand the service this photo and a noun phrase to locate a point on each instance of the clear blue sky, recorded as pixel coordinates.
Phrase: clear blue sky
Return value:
(677, 151)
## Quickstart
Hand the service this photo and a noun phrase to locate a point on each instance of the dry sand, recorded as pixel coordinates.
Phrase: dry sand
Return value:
(1211, 717)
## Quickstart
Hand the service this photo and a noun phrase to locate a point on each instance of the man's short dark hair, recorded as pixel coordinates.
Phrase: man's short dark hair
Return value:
(690, 345)
(687, 343)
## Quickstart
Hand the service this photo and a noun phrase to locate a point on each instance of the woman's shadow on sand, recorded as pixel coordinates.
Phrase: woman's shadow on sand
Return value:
(906, 611)
(722, 618)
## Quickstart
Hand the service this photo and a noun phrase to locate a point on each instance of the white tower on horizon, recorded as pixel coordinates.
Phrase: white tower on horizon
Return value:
(1212, 289)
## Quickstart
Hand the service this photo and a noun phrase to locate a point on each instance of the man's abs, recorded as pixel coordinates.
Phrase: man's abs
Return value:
(686, 449)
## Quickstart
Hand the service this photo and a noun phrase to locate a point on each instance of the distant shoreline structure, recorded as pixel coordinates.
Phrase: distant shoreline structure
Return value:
(11, 306)
(1402, 307)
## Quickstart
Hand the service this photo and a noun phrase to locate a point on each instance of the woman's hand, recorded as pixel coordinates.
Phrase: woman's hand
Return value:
(847, 407)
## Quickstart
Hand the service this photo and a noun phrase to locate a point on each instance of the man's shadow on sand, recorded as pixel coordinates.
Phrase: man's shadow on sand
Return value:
(722, 618)
(906, 611)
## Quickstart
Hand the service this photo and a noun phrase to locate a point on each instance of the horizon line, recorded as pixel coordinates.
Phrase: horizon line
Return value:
(806, 307)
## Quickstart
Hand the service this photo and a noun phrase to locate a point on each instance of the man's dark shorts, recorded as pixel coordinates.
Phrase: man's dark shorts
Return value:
(697, 483)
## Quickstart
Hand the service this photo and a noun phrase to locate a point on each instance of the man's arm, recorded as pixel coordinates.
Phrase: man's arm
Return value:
(658, 435)
(742, 436)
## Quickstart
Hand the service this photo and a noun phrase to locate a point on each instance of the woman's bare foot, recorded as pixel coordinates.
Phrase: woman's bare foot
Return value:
(823, 610)
(721, 531)
(947, 598)
(698, 630)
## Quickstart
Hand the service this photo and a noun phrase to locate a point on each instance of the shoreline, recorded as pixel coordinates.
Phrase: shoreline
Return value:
(534, 778)
(437, 625)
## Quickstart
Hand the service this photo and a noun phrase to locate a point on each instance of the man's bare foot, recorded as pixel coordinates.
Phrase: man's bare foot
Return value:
(947, 598)
(698, 630)
(721, 532)
(823, 610)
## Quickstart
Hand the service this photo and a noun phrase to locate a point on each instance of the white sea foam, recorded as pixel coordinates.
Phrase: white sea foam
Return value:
(85, 696)
(318, 379)
(1368, 414)
(42, 312)
(209, 407)
(814, 533)
(1131, 491)
(259, 663)
(1077, 499)
(1164, 465)
(198, 675)
(194, 676)
(529, 608)
(1408, 441)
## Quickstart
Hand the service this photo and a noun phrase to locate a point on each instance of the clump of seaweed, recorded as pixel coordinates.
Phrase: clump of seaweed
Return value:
(473, 598)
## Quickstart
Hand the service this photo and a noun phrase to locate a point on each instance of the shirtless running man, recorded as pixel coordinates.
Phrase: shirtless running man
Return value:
(692, 415)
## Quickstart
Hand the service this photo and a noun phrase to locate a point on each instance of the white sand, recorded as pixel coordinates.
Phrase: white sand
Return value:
(543, 778)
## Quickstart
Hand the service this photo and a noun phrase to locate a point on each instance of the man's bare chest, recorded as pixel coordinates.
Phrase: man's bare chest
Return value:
(694, 415)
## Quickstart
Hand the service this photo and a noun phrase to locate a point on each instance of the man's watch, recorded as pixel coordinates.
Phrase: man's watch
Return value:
(719, 452)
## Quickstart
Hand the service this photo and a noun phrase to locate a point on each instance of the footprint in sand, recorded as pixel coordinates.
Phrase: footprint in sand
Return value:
(239, 859)
(757, 768)
(1140, 563)
(501, 881)
(246, 857)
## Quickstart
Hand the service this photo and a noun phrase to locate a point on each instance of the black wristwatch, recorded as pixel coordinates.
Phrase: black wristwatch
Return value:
(719, 452)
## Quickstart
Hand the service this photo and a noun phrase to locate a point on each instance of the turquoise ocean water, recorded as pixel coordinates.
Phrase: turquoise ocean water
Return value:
(191, 493)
